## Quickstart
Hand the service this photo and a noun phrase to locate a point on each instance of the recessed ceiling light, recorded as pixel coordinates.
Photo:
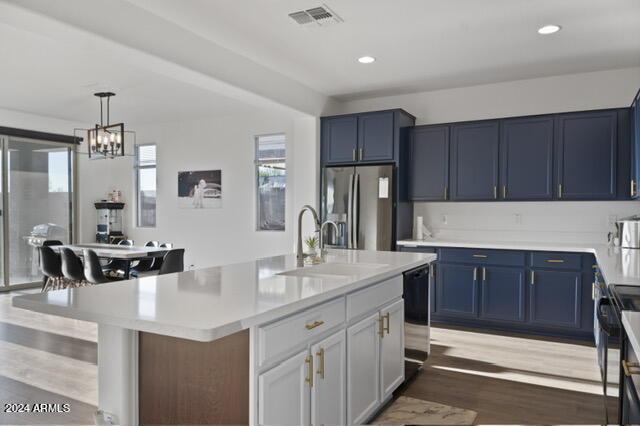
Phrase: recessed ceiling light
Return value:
(549, 29)
(366, 59)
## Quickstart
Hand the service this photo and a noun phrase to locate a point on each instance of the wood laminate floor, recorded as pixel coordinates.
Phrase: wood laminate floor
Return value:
(46, 360)
(505, 379)
(512, 379)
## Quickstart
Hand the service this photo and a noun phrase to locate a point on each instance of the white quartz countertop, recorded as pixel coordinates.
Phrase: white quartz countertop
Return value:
(617, 265)
(631, 324)
(211, 303)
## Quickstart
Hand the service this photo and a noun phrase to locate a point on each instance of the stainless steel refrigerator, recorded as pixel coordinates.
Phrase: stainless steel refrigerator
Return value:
(360, 200)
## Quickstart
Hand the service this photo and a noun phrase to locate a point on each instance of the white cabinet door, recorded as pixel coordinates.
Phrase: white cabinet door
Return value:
(363, 371)
(328, 394)
(392, 347)
(283, 393)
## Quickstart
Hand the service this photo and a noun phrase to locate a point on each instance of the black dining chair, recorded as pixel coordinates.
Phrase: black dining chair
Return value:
(157, 262)
(145, 264)
(72, 267)
(118, 266)
(51, 267)
(49, 243)
(92, 268)
(172, 262)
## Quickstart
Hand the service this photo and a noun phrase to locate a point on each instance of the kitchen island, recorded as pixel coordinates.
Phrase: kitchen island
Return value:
(261, 342)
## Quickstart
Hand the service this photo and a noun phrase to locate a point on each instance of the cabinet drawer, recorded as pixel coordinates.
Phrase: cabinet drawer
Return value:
(371, 298)
(556, 260)
(278, 338)
(631, 359)
(483, 256)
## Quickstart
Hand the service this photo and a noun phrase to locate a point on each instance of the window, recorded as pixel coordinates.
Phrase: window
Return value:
(146, 185)
(271, 177)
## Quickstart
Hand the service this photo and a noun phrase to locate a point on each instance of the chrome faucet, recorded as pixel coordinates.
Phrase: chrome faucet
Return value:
(314, 213)
(323, 251)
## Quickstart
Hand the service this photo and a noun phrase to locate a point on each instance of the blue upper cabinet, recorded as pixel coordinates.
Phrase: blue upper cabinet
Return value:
(429, 163)
(586, 155)
(474, 161)
(526, 158)
(635, 146)
(375, 136)
(340, 139)
(370, 137)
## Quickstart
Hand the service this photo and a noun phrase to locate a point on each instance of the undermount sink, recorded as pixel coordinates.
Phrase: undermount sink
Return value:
(333, 269)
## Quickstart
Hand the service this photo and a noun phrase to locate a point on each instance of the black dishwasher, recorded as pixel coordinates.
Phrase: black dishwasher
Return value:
(416, 295)
(416, 319)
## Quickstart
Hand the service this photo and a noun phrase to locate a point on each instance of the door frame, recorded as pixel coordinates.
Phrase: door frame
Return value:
(71, 144)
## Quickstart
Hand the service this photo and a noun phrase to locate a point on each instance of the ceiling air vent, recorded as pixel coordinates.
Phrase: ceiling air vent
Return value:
(321, 15)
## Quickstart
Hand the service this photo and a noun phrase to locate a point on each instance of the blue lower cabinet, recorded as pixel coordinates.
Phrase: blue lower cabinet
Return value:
(457, 290)
(503, 294)
(555, 298)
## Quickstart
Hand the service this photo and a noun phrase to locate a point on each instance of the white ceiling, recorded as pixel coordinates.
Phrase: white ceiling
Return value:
(419, 44)
(44, 77)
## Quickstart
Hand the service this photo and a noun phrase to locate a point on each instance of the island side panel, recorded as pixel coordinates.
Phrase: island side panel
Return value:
(188, 382)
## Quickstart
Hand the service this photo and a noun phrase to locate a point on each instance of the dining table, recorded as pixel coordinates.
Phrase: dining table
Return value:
(126, 254)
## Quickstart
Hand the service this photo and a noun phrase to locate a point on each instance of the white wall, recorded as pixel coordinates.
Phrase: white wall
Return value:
(567, 221)
(212, 236)
(573, 92)
(579, 221)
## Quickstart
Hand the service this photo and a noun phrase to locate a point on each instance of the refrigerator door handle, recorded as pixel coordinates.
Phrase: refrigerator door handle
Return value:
(350, 213)
(356, 213)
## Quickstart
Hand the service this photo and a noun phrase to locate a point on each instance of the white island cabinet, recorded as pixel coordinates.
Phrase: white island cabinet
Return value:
(262, 342)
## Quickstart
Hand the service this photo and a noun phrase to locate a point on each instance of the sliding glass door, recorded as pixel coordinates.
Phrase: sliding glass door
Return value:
(37, 204)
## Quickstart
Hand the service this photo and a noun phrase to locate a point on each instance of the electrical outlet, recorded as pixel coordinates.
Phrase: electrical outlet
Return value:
(518, 218)
(445, 219)
(192, 267)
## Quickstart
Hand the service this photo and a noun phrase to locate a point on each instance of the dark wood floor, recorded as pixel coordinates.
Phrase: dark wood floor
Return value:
(512, 379)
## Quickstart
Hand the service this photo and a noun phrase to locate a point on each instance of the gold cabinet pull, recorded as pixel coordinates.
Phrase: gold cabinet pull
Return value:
(475, 274)
(386, 316)
(482, 256)
(381, 326)
(313, 325)
(354, 155)
(309, 361)
(360, 151)
(504, 191)
(320, 355)
(559, 190)
(446, 192)
(495, 192)
(484, 273)
(630, 368)
(533, 277)
(555, 261)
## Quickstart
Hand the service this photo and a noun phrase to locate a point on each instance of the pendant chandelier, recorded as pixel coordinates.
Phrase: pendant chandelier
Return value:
(106, 140)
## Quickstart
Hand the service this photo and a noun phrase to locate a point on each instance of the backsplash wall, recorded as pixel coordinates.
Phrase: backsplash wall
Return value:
(566, 221)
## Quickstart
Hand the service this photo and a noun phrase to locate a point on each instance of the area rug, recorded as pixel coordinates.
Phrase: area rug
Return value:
(411, 411)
